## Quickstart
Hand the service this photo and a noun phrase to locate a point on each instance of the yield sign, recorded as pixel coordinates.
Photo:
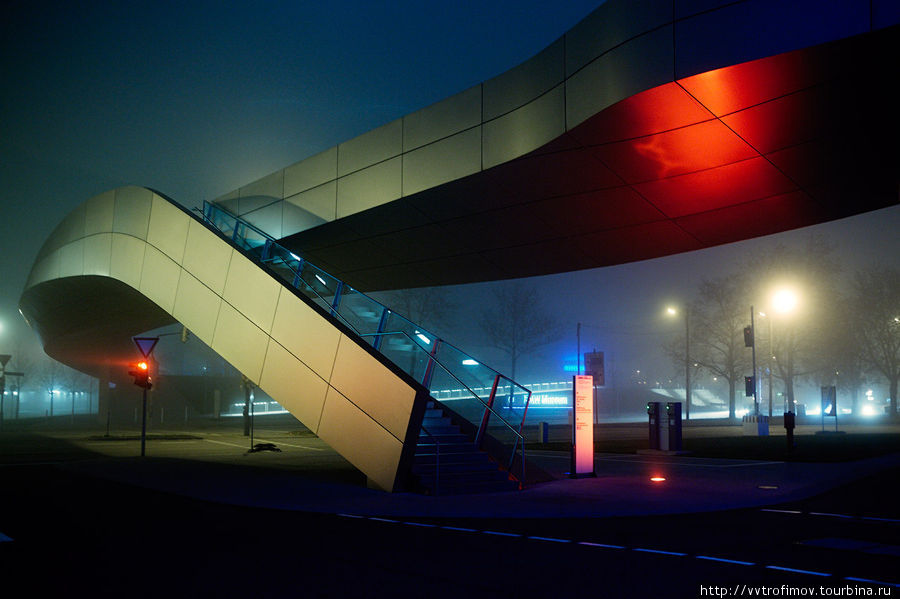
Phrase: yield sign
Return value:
(145, 345)
(4, 358)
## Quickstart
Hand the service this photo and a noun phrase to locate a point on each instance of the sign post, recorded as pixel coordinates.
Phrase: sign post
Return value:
(583, 427)
(4, 358)
(145, 345)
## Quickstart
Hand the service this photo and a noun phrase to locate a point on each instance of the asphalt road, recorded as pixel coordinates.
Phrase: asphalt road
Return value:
(68, 532)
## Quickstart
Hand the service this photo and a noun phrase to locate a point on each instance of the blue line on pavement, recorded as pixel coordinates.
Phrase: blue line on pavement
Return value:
(722, 559)
(814, 573)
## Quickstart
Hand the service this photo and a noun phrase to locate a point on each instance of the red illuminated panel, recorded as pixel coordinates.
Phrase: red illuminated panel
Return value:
(729, 89)
(694, 148)
(637, 243)
(595, 211)
(653, 111)
(753, 219)
(783, 122)
(716, 188)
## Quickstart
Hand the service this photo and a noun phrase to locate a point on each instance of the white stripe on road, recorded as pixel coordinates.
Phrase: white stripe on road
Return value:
(292, 445)
(225, 443)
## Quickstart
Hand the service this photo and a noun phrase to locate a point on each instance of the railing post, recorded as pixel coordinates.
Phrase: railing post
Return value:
(429, 370)
(376, 343)
(297, 278)
(336, 302)
(479, 436)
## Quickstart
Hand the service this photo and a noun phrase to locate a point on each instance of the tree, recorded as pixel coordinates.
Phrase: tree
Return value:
(517, 323)
(803, 342)
(875, 313)
(429, 307)
(49, 379)
(718, 317)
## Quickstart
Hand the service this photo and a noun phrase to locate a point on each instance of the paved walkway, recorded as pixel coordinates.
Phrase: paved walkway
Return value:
(623, 485)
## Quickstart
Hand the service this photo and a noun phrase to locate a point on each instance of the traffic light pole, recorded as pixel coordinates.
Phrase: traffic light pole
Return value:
(144, 423)
(753, 353)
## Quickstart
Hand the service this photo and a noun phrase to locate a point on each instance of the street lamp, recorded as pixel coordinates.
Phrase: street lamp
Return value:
(671, 311)
(784, 301)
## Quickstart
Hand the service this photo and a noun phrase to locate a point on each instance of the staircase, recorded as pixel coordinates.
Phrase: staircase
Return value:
(446, 459)
(447, 462)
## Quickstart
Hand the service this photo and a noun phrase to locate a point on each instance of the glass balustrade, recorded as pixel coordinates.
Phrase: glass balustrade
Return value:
(494, 405)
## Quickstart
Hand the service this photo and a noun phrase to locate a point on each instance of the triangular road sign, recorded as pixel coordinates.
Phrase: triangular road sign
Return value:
(145, 345)
(4, 358)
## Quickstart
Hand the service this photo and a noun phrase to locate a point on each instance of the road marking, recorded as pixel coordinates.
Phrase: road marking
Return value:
(292, 445)
(830, 515)
(4, 538)
(781, 511)
(812, 572)
(607, 546)
(723, 560)
(878, 519)
(226, 443)
(641, 549)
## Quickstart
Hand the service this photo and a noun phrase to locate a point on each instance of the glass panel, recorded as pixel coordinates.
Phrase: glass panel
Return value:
(458, 380)
(360, 311)
(400, 350)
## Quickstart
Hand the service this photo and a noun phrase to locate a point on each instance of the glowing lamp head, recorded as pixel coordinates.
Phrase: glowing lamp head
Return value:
(784, 300)
(658, 479)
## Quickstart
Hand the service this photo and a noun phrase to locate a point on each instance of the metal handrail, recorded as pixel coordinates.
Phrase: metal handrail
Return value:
(347, 288)
(456, 378)
(334, 311)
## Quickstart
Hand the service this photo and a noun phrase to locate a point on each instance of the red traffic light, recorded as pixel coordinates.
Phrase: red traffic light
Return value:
(141, 373)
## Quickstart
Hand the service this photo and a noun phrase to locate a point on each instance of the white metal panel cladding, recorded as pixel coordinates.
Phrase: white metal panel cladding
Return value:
(299, 357)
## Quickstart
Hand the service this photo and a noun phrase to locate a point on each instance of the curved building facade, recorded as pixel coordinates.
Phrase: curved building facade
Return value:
(652, 127)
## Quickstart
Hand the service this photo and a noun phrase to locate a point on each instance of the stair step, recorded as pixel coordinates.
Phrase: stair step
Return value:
(442, 439)
(451, 457)
(447, 462)
(437, 421)
(440, 432)
(463, 446)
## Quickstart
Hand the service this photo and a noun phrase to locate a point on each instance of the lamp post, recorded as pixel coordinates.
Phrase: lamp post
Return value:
(769, 361)
(687, 359)
(784, 301)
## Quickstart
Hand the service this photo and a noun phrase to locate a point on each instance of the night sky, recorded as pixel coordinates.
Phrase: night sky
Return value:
(195, 100)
